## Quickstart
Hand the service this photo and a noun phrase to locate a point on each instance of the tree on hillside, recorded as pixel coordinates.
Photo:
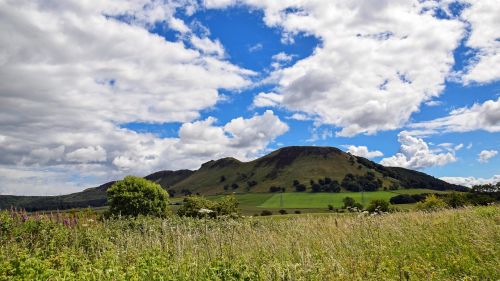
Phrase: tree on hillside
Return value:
(135, 196)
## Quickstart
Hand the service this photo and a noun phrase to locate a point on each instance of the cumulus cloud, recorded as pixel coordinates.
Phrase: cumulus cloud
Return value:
(87, 154)
(73, 72)
(485, 116)
(363, 151)
(377, 62)
(485, 155)
(471, 181)
(415, 153)
(484, 40)
(267, 99)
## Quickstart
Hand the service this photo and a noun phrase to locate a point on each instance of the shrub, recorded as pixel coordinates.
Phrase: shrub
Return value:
(431, 203)
(297, 212)
(274, 189)
(378, 205)
(300, 188)
(283, 212)
(348, 202)
(266, 213)
(135, 196)
(330, 207)
(198, 207)
(455, 200)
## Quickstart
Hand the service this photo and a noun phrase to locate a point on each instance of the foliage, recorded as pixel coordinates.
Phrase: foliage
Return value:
(378, 205)
(135, 196)
(357, 183)
(431, 203)
(275, 189)
(454, 244)
(325, 185)
(300, 188)
(266, 213)
(349, 202)
(455, 200)
(407, 198)
(197, 206)
(283, 212)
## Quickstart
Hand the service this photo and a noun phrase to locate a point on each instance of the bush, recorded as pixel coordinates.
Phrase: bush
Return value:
(266, 213)
(455, 200)
(297, 212)
(300, 188)
(283, 212)
(198, 207)
(330, 207)
(275, 189)
(378, 205)
(135, 196)
(431, 203)
(348, 202)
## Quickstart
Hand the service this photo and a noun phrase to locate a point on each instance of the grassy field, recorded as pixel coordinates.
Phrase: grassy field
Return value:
(460, 244)
(307, 202)
(320, 200)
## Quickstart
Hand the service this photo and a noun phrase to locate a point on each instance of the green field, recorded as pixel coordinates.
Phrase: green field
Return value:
(297, 200)
(320, 200)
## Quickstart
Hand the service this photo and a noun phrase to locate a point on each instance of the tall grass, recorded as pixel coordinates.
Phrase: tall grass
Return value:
(446, 245)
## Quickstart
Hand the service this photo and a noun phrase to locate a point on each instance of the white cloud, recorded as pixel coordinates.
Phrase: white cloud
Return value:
(471, 181)
(255, 48)
(434, 103)
(85, 73)
(378, 61)
(484, 39)
(415, 153)
(363, 151)
(267, 99)
(485, 116)
(281, 59)
(87, 154)
(485, 155)
(208, 46)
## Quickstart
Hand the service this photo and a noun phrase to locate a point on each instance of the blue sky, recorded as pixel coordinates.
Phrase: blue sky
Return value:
(131, 87)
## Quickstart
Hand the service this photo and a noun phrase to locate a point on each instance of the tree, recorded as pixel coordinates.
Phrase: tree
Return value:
(135, 196)
(283, 212)
(378, 205)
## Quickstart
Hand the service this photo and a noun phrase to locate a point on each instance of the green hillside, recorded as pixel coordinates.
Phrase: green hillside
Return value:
(303, 164)
(311, 167)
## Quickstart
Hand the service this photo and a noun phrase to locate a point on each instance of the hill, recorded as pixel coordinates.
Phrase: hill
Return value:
(291, 168)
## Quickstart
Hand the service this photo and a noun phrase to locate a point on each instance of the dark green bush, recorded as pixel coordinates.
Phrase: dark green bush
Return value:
(266, 213)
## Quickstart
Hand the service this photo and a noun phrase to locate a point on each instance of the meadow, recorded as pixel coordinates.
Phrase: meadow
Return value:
(452, 244)
(308, 202)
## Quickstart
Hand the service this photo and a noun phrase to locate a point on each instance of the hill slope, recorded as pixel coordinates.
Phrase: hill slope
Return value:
(279, 169)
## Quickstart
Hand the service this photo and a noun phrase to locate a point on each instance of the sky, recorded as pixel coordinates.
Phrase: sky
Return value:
(91, 91)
